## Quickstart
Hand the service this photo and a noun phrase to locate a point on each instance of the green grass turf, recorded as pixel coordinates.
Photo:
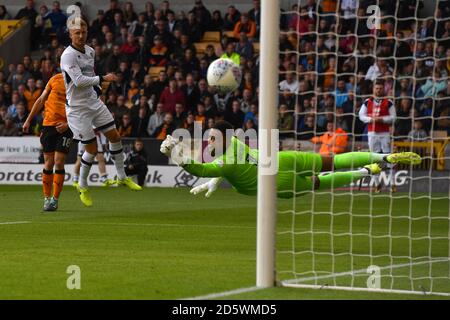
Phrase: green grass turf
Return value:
(168, 244)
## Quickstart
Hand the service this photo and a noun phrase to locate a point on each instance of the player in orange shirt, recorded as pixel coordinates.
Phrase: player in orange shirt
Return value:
(56, 138)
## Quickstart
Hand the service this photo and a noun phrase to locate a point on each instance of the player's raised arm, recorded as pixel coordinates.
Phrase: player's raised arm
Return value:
(37, 107)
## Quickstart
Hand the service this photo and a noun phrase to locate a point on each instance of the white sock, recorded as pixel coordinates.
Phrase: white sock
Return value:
(117, 155)
(379, 157)
(364, 172)
(86, 164)
(75, 178)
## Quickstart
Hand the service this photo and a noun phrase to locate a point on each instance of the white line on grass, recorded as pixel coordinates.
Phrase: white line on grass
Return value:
(224, 294)
(127, 224)
(14, 222)
(252, 289)
(364, 271)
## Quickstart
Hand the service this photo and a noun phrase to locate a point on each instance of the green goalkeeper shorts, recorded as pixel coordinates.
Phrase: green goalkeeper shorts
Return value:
(295, 171)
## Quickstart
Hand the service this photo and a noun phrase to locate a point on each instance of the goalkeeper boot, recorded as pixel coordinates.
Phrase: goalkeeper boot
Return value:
(129, 183)
(404, 158)
(53, 204)
(85, 196)
(373, 168)
(108, 183)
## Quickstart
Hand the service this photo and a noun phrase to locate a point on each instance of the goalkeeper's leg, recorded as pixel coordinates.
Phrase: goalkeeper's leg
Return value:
(334, 180)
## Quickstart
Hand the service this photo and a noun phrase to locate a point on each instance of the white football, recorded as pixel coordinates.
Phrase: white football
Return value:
(224, 75)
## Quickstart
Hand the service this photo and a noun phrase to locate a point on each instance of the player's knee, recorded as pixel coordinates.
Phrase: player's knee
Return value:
(113, 136)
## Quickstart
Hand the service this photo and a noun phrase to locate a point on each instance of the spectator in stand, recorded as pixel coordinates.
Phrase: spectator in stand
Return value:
(30, 13)
(166, 128)
(158, 53)
(285, 122)
(432, 86)
(231, 18)
(122, 37)
(95, 30)
(21, 115)
(244, 47)
(193, 28)
(210, 107)
(189, 123)
(130, 49)
(190, 62)
(290, 84)
(140, 123)
(191, 92)
(171, 96)
(235, 116)
(200, 115)
(245, 25)
(231, 54)
(125, 127)
(110, 14)
(136, 162)
(202, 14)
(307, 130)
(58, 19)
(4, 15)
(179, 116)
(255, 15)
(156, 119)
(216, 22)
(129, 15)
(341, 93)
(9, 128)
(418, 133)
(15, 100)
(333, 141)
(210, 54)
(31, 93)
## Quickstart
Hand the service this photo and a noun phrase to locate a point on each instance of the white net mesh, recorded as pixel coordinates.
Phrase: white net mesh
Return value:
(354, 237)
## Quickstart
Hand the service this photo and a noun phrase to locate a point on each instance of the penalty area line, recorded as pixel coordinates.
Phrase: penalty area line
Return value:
(224, 294)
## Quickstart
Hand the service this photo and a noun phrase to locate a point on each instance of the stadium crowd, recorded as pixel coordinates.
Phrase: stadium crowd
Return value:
(329, 58)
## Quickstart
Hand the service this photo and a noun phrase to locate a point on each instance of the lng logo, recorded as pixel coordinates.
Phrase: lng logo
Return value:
(400, 179)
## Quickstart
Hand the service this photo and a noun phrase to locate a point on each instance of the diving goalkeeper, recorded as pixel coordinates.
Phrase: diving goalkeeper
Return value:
(298, 172)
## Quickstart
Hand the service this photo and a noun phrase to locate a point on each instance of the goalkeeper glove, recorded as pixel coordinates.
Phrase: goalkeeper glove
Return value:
(210, 186)
(174, 150)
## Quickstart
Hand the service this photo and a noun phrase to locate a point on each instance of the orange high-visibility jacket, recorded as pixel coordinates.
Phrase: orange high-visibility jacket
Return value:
(333, 143)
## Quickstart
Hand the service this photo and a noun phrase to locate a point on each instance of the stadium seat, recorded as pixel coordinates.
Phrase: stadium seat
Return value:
(154, 71)
(229, 34)
(211, 36)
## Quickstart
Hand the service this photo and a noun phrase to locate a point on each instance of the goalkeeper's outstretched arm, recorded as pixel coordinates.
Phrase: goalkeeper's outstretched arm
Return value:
(173, 149)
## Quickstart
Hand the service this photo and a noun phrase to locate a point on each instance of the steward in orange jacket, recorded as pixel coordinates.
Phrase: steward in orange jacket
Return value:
(333, 141)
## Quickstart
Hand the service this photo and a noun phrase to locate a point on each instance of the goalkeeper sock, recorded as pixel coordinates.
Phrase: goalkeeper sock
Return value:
(356, 159)
(58, 182)
(86, 164)
(117, 154)
(340, 179)
(47, 180)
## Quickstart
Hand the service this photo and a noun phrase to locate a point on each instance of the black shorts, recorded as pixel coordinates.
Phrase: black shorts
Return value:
(52, 140)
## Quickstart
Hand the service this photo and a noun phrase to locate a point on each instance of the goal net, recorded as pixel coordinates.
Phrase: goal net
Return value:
(389, 233)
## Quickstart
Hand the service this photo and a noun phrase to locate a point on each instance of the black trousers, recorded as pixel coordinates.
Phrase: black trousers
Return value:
(140, 171)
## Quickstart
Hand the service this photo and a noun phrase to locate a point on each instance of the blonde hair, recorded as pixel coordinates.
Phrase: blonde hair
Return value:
(76, 23)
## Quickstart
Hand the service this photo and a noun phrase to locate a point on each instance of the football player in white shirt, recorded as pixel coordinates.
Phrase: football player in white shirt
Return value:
(85, 111)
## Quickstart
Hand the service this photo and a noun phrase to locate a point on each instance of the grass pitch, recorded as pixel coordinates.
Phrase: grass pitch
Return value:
(168, 244)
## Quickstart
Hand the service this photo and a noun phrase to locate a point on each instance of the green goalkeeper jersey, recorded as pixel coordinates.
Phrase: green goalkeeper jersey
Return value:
(239, 166)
